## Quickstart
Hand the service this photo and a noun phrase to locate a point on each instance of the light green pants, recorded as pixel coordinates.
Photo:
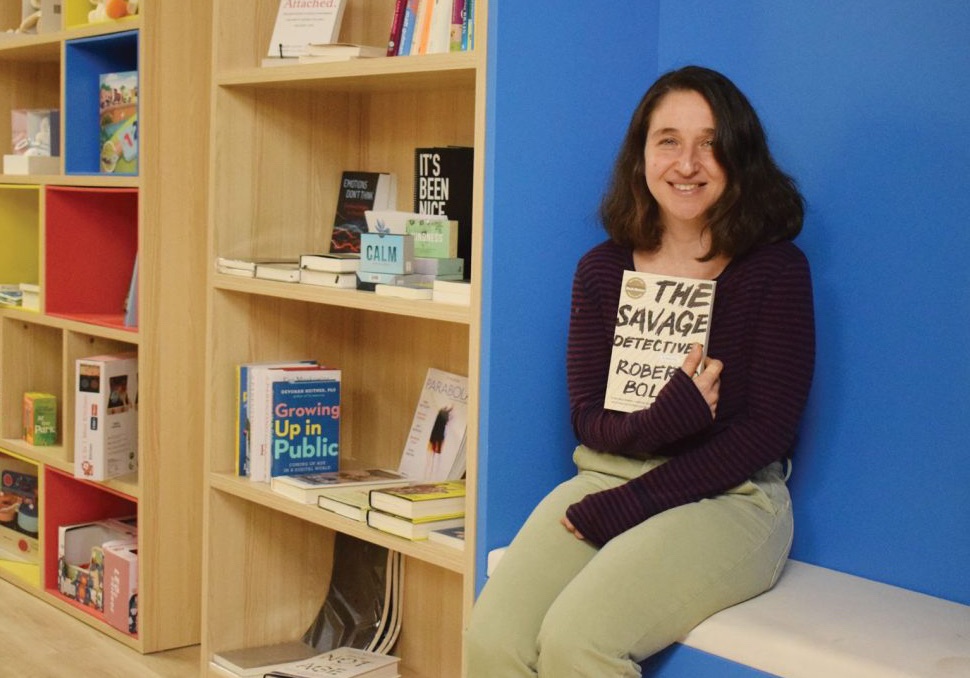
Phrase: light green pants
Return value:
(557, 607)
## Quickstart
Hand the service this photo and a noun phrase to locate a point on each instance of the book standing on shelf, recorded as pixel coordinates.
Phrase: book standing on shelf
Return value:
(299, 24)
(434, 449)
(359, 192)
(269, 435)
(305, 432)
(119, 122)
(306, 488)
(40, 418)
(443, 186)
(397, 26)
(658, 320)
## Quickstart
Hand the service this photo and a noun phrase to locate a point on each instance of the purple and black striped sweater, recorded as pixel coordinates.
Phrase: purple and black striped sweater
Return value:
(763, 330)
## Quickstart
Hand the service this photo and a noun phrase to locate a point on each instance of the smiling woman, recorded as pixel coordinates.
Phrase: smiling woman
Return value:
(680, 509)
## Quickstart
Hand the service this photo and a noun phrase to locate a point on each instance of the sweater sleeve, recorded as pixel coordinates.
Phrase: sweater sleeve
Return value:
(678, 411)
(778, 381)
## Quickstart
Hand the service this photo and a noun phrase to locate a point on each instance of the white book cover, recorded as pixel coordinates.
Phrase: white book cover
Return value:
(437, 429)
(344, 662)
(658, 319)
(299, 24)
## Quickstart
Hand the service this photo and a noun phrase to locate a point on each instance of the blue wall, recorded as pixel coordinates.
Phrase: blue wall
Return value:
(867, 104)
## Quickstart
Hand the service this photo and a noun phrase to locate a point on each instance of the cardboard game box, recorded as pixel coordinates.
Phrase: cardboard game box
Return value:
(106, 416)
(80, 557)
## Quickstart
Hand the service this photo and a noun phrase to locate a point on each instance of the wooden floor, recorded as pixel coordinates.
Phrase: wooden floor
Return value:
(41, 642)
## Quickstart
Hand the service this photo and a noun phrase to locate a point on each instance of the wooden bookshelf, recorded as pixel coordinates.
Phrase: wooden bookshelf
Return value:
(281, 138)
(76, 234)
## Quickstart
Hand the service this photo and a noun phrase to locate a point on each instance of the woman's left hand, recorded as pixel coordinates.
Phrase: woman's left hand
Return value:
(572, 528)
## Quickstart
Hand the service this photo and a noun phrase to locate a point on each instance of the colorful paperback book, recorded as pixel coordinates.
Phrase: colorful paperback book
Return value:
(306, 488)
(261, 414)
(658, 319)
(421, 502)
(119, 122)
(344, 662)
(359, 192)
(305, 427)
(434, 447)
(243, 423)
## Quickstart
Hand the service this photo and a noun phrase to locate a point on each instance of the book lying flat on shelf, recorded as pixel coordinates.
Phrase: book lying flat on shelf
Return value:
(331, 263)
(434, 449)
(286, 271)
(306, 488)
(451, 292)
(339, 51)
(449, 536)
(344, 662)
(349, 502)
(256, 661)
(422, 501)
(658, 319)
(245, 267)
(347, 281)
(403, 291)
(409, 529)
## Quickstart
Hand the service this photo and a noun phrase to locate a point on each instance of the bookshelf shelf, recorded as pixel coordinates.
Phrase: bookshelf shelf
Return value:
(282, 136)
(77, 235)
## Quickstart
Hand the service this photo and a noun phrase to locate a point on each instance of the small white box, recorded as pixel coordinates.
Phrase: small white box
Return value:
(106, 416)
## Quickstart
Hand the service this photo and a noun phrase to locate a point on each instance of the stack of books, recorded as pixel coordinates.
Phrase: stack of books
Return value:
(330, 270)
(414, 511)
(451, 292)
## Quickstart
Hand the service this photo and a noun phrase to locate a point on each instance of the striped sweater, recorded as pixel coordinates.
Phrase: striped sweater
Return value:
(762, 329)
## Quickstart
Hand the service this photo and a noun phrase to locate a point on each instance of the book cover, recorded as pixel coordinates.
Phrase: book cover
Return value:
(407, 27)
(35, 132)
(40, 418)
(306, 488)
(331, 263)
(437, 431)
(443, 186)
(298, 24)
(421, 502)
(261, 380)
(658, 319)
(386, 253)
(397, 25)
(449, 536)
(439, 32)
(118, 118)
(305, 427)
(409, 529)
(434, 238)
(344, 662)
(243, 423)
(359, 192)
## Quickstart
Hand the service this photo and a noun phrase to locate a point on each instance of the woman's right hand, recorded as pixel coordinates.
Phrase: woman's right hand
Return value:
(708, 381)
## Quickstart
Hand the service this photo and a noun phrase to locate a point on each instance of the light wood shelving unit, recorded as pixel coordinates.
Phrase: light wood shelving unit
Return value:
(162, 218)
(281, 137)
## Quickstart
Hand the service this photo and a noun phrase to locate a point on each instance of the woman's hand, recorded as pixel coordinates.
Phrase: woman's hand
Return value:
(570, 527)
(708, 382)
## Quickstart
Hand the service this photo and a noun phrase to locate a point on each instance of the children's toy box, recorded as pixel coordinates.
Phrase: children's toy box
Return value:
(40, 418)
(80, 557)
(106, 416)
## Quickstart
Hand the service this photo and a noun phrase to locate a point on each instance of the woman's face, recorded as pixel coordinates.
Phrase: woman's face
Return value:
(682, 173)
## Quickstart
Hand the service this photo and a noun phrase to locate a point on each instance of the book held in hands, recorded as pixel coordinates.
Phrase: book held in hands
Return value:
(658, 319)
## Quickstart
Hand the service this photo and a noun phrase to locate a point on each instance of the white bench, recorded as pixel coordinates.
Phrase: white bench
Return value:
(820, 623)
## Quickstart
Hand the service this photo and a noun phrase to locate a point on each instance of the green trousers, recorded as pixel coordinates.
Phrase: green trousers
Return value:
(557, 607)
